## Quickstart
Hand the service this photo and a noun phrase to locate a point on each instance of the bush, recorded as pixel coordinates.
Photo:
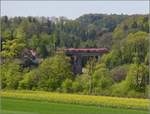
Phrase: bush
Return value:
(137, 77)
(112, 59)
(81, 84)
(101, 80)
(10, 75)
(98, 66)
(30, 80)
(135, 83)
(67, 86)
(49, 76)
(76, 86)
(119, 89)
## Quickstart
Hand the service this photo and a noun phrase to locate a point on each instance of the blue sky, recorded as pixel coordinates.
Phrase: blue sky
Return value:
(72, 9)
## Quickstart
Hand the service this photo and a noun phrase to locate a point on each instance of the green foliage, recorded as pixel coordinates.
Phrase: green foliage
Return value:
(101, 80)
(88, 44)
(135, 82)
(67, 85)
(13, 45)
(131, 24)
(136, 45)
(29, 81)
(119, 89)
(147, 59)
(12, 48)
(49, 75)
(44, 44)
(112, 59)
(10, 75)
(81, 84)
(137, 77)
(77, 86)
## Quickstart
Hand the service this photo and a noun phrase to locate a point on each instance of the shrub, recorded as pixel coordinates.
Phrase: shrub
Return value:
(67, 85)
(29, 81)
(76, 86)
(10, 75)
(135, 83)
(137, 76)
(112, 59)
(119, 89)
(49, 75)
(81, 84)
(101, 80)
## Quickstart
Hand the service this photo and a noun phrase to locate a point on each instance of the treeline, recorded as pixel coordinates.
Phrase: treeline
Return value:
(41, 33)
(121, 72)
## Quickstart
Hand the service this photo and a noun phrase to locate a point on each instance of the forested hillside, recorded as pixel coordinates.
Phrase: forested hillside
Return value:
(30, 59)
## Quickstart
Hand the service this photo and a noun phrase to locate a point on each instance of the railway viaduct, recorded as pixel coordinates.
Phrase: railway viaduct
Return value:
(79, 56)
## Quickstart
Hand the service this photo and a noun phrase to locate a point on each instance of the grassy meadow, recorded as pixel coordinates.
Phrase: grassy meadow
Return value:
(37, 102)
(19, 106)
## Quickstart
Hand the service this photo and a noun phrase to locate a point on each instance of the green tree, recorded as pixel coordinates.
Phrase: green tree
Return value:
(50, 74)
(102, 81)
(136, 45)
(137, 77)
(135, 83)
(12, 47)
(10, 75)
(112, 59)
(44, 44)
(91, 68)
(30, 80)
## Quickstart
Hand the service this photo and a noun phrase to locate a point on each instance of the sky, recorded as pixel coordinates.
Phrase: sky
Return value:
(72, 9)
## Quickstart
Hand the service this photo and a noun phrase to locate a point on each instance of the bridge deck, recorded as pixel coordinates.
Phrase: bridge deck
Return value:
(86, 51)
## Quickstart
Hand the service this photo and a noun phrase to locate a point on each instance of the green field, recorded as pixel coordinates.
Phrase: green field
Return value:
(19, 106)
